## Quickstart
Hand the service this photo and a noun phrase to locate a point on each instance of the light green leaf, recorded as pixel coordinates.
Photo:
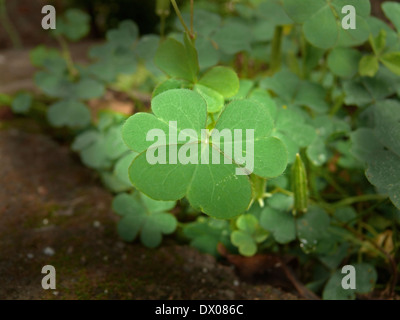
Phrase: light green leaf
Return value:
(321, 20)
(248, 235)
(343, 62)
(391, 61)
(121, 169)
(215, 101)
(221, 79)
(178, 60)
(392, 11)
(369, 66)
(214, 188)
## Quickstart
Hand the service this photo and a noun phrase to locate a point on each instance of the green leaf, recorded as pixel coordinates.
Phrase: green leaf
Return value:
(208, 54)
(233, 37)
(205, 22)
(369, 66)
(292, 129)
(391, 61)
(370, 90)
(121, 169)
(213, 188)
(245, 86)
(215, 101)
(70, 113)
(178, 60)
(170, 84)
(41, 54)
(273, 11)
(74, 24)
(221, 79)
(322, 21)
(99, 149)
(321, 28)
(280, 223)
(206, 233)
(378, 44)
(143, 215)
(379, 148)
(125, 35)
(311, 228)
(366, 277)
(22, 103)
(343, 62)
(61, 86)
(294, 91)
(392, 11)
(248, 235)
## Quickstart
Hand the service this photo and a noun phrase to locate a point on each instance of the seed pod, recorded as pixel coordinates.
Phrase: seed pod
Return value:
(300, 189)
(163, 8)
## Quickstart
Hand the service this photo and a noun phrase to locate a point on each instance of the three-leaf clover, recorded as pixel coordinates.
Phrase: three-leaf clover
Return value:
(143, 215)
(74, 25)
(248, 235)
(214, 187)
(100, 147)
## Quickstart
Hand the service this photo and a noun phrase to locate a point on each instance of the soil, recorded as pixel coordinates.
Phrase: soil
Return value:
(54, 211)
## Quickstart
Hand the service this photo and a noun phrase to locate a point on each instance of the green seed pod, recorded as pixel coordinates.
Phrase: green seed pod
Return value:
(163, 8)
(300, 190)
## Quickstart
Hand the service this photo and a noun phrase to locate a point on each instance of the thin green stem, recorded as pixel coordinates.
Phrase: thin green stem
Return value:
(338, 105)
(283, 191)
(191, 15)
(351, 200)
(276, 52)
(303, 49)
(8, 26)
(178, 13)
(163, 19)
(67, 56)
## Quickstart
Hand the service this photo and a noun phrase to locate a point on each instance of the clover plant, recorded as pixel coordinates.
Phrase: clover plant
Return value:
(322, 99)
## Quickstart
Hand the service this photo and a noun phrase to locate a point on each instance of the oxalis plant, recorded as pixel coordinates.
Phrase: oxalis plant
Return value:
(271, 130)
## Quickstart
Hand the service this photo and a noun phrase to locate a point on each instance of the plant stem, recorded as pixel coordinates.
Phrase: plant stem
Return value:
(67, 56)
(191, 16)
(8, 26)
(303, 48)
(178, 13)
(338, 104)
(276, 53)
(362, 198)
(162, 26)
